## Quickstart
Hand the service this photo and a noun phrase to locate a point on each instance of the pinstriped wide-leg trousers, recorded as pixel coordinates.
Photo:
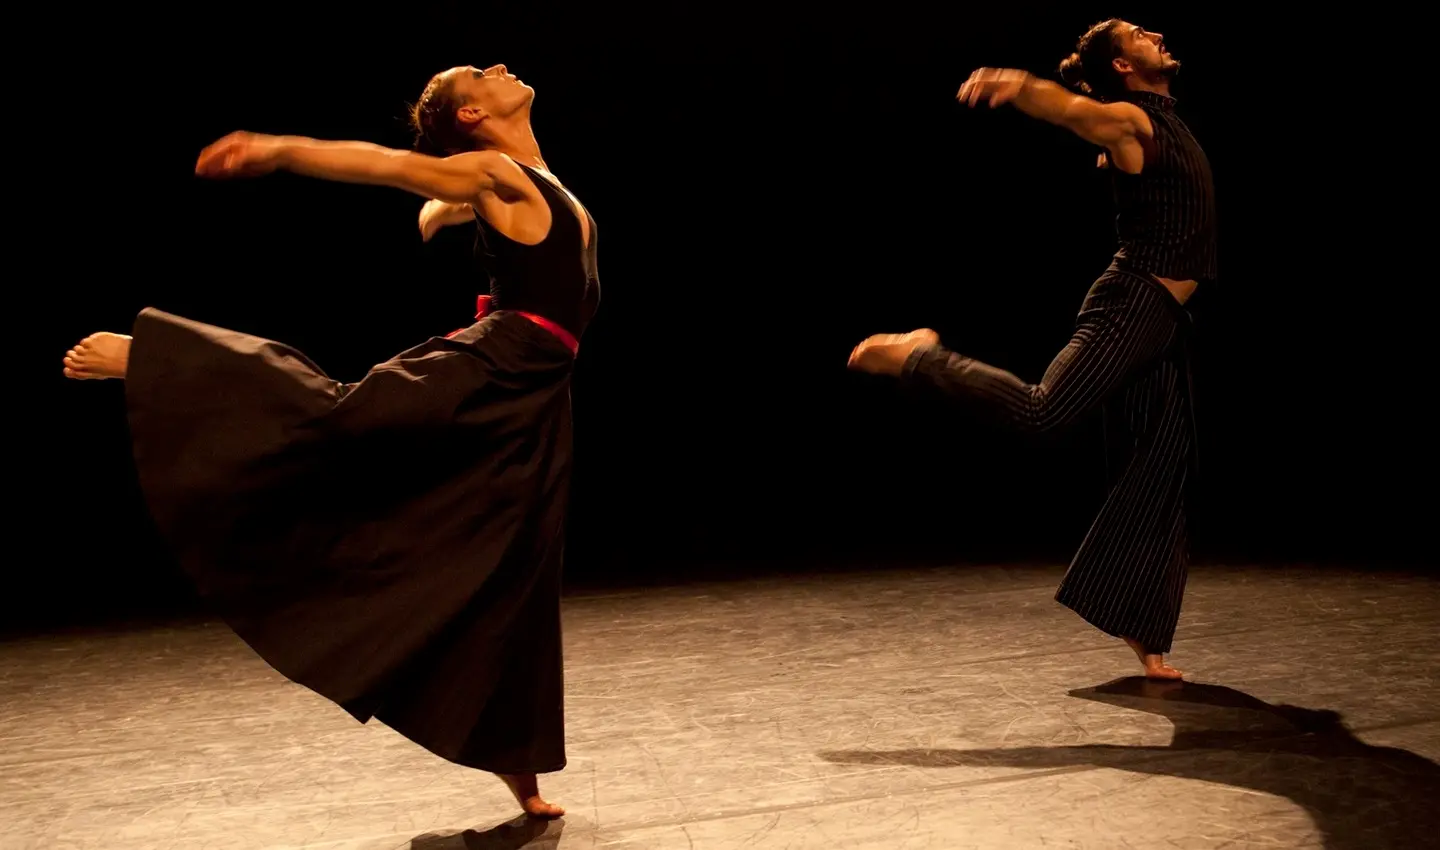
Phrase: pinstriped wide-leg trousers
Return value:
(1128, 354)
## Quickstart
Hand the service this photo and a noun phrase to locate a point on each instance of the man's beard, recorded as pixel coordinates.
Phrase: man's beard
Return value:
(1163, 72)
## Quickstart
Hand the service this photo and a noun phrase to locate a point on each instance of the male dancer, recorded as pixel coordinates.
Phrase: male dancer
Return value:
(1128, 351)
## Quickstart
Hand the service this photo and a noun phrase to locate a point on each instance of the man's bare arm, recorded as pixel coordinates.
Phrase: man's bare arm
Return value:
(1103, 124)
(1120, 128)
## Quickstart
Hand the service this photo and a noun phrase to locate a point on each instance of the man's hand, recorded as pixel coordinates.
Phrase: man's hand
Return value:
(1117, 127)
(997, 85)
(885, 354)
(240, 155)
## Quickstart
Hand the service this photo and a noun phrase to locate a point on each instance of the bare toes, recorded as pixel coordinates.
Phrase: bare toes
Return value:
(542, 809)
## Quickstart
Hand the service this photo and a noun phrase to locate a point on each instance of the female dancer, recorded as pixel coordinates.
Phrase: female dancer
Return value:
(395, 544)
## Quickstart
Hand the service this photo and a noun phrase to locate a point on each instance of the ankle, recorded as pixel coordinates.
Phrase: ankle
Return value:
(524, 785)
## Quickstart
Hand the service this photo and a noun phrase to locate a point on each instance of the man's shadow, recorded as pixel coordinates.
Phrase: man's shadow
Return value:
(1361, 797)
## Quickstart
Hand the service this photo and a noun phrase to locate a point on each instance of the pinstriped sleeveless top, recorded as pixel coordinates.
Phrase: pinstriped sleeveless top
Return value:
(1165, 215)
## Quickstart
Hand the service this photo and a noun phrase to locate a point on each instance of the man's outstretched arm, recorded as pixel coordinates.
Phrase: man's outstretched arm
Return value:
(1122, 128)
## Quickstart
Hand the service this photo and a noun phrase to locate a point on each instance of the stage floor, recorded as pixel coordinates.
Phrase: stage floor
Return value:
(943, 708)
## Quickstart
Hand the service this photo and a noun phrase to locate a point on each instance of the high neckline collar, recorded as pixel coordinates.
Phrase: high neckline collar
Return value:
(1152, 100)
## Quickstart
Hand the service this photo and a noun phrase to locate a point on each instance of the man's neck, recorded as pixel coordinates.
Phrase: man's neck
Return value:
(1160, 87)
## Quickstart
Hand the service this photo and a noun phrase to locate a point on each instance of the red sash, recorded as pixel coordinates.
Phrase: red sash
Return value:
(483, 308)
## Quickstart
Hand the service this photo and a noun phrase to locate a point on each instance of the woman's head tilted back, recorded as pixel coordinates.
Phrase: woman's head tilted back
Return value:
(459, 108)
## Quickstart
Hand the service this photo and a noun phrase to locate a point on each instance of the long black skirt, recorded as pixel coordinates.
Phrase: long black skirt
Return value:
(395, 544)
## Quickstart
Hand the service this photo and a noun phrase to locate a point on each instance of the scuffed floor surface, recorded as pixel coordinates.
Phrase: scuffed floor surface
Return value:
(899, 709)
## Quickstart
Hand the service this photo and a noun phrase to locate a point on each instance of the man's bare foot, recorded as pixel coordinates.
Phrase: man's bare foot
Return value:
(885, 354)
(1154, 662)
(102, 355)
(527, 791)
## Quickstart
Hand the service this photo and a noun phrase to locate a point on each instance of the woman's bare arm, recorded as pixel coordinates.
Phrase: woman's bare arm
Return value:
(456, 179)
(437, 214)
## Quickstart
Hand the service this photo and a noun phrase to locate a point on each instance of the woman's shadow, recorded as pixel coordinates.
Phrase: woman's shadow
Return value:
(523, 832)
(1359, 796)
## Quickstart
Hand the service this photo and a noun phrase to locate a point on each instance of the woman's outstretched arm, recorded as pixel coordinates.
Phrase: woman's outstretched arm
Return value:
(456, 179)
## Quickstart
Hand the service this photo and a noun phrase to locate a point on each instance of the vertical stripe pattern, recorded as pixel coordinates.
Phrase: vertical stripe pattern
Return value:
(1128, 355)
(1165, 215)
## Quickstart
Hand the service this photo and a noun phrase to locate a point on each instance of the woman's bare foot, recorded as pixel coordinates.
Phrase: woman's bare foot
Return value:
(885, 354)
(527, 791)
(102, 355)
(1154, 662)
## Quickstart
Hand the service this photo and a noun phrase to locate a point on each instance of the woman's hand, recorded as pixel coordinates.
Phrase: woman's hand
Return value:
(240, 155)
(437, 214)
(431, 219)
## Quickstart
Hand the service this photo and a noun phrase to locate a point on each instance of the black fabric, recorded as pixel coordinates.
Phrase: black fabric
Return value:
(550, 278)
(1129, 356)
(395, 544)
(1165, 215)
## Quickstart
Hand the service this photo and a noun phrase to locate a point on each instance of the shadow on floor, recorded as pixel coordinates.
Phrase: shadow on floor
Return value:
(1361, 797)
(523, 833)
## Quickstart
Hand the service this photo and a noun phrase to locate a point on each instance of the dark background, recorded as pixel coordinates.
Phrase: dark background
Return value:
(770, 187)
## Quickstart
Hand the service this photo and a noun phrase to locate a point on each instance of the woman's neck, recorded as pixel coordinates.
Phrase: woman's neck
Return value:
(517, 141)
